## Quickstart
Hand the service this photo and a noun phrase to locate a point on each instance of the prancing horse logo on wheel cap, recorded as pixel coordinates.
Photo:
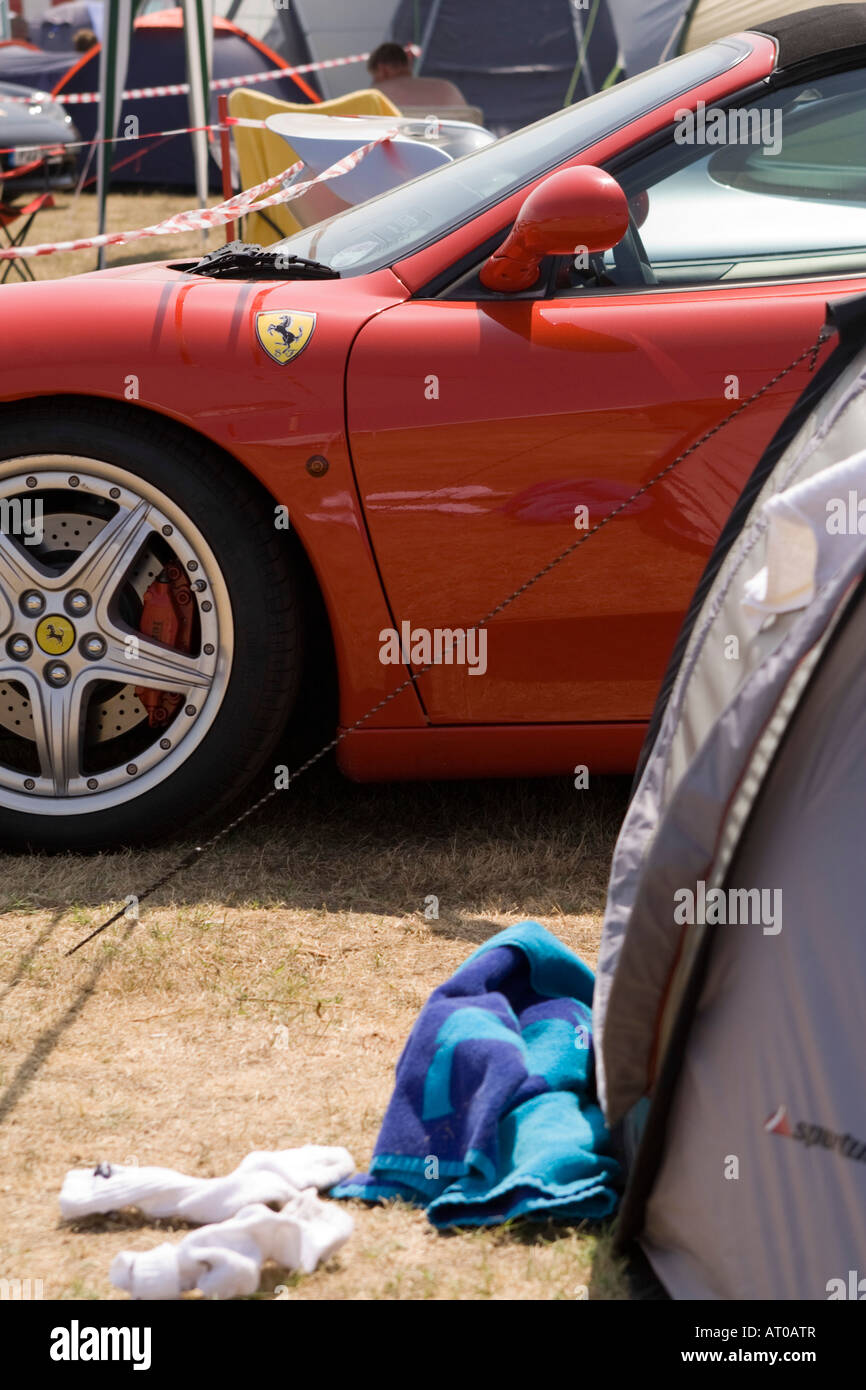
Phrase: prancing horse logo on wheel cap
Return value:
(284, 335)
(55, 634)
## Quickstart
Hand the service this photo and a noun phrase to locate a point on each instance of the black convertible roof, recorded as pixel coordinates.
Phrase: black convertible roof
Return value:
(813, 33)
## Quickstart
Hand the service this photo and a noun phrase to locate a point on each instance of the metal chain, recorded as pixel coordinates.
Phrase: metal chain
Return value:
(196, 854)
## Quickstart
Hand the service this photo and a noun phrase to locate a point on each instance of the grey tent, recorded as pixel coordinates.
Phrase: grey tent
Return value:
(652, 30)
(729, 1005)
(516, 63)
(310, 31)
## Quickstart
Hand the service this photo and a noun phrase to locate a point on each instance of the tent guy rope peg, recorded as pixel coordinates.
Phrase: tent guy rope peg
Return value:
(826, 332)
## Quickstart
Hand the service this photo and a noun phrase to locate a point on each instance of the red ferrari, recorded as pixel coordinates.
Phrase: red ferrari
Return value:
(362, 440)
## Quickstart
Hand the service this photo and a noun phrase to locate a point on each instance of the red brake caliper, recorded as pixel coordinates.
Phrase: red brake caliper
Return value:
(166, 615)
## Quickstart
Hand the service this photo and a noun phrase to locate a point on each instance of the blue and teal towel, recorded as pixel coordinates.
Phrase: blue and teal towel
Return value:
(494, 1114)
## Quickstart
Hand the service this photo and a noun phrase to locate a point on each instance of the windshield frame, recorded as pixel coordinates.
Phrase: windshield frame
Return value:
(598, 117)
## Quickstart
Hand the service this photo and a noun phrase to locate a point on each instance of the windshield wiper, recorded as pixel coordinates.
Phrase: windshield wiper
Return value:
(246, 260)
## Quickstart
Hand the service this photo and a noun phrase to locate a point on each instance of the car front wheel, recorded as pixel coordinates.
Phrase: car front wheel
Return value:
(149, 628)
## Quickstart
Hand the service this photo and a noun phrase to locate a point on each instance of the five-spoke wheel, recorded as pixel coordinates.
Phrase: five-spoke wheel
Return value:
(104, 699)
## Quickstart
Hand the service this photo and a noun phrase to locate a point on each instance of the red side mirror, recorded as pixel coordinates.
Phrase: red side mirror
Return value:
(575, 209)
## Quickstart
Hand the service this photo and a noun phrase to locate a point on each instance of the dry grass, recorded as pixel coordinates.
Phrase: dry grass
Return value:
(73, 217)
(262, 1002)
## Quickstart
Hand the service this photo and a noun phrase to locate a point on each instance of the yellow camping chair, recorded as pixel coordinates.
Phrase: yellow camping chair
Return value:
(261, 154)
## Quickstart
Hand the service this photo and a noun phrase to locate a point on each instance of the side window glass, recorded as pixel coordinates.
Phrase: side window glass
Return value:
(766, 191)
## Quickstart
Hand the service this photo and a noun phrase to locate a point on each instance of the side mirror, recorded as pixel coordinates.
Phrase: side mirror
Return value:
(575, 208)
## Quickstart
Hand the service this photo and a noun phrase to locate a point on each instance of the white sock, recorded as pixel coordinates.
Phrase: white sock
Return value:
(225, 1260)
(261, 1177)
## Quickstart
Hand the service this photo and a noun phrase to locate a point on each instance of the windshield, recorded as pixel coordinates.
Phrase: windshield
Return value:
(388, 228)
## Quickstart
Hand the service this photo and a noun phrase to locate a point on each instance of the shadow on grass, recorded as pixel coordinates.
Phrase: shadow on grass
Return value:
(531, 847)
(129, 1219)
(50, 1037)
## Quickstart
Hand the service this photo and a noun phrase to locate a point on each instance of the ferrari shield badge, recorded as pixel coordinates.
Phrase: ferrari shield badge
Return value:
(284, 335)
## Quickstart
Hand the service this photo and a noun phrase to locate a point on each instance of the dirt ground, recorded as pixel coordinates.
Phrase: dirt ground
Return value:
(262, 1002)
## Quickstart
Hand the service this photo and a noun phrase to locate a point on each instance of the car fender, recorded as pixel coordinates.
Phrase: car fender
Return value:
(185, 346)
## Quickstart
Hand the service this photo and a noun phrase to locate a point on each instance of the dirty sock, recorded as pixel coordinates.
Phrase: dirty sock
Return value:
(225, 1260)
(160, 1192)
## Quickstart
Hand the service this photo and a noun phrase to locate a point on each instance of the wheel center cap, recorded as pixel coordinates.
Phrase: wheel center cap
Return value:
(55, 634)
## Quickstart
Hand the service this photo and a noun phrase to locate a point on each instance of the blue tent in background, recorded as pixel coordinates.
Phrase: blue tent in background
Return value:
(305, 31)
(59, 25)
(30, 68)
(157, 57)
(517, 62)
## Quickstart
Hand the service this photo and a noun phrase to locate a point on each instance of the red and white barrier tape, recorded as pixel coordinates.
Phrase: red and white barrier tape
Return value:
(145, 135)
(219, 84)
(200, 218)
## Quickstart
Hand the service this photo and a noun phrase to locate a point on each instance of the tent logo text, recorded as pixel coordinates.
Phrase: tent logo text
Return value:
(729, 907)
(810, 1134)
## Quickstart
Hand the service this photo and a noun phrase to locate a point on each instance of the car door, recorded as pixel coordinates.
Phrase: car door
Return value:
(489, 432)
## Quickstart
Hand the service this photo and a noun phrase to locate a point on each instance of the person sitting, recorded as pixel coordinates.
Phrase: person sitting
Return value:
(84, 40)
(391, 70)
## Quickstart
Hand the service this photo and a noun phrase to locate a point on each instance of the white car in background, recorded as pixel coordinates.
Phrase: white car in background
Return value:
(30, 120)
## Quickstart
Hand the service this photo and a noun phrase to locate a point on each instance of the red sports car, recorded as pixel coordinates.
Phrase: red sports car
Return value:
(361, 441)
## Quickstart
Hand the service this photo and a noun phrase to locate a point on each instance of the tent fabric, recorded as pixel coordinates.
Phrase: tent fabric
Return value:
(801, 35)
(651, 31)
(705, 682)
(783, 1016)
(78, 13)
(282, 31)
(518, 69)
(337, 29)
(648, 30)
(30, 67)
(158, 57)
(275, 25)
(307, 31)
(59, 25)
(715, 1040)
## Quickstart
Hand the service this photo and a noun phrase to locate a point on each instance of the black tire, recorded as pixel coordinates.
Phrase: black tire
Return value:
(236, 519)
